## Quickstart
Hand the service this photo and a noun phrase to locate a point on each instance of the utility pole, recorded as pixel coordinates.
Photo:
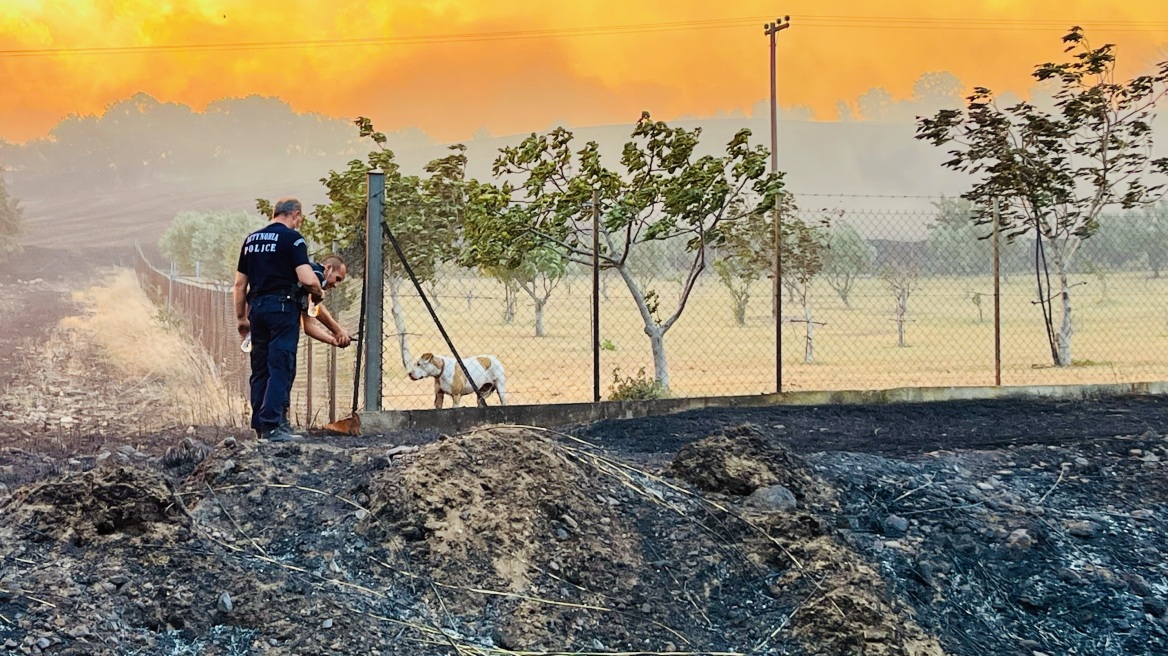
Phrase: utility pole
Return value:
(772, 30)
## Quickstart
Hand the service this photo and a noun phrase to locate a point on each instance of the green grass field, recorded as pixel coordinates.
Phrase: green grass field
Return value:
(1120, 338)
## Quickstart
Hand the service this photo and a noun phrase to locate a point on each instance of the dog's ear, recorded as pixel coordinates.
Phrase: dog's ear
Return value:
(427, 356)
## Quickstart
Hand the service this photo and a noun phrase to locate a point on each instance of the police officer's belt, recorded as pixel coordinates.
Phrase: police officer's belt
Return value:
(290, 293)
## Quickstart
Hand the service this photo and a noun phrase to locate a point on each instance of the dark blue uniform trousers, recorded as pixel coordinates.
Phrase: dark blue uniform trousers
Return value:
(275, 334)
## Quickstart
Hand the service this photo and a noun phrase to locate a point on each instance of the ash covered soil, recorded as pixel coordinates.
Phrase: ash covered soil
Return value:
(766, 531)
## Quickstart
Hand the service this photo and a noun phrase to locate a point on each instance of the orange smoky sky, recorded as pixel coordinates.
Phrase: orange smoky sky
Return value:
(451, 67)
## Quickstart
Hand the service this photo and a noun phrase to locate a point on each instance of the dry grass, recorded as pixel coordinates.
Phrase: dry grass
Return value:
(152, 358)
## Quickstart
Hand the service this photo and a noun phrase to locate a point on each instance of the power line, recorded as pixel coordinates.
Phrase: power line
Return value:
(399, 40)
(811, 21)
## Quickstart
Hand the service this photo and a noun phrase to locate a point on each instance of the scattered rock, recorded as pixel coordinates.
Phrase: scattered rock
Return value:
(1155, 606)
(772, 498)
(327, 624)
(225, 605)
(1082, 529)
(1020, 539)
(894, 525)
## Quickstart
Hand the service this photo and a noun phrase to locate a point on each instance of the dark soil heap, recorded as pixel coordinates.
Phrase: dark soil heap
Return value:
(501, 539)
(506, 541)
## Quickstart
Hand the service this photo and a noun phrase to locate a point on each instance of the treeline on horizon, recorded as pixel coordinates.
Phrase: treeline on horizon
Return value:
(141, 142)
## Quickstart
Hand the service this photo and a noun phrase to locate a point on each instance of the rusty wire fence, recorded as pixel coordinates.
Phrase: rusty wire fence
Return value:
(205, 310)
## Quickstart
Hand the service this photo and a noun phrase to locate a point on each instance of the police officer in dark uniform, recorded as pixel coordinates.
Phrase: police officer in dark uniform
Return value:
(273, 266)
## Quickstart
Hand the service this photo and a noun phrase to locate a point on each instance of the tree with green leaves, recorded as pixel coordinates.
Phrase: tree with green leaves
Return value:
(1132, 239)
(748, 254)
(1155, 241)
(663, 191)
(957, 245)
(1054, 172)
(848, 257)
(423, 215)
(207, 242)
(11, 222)
(536, 269)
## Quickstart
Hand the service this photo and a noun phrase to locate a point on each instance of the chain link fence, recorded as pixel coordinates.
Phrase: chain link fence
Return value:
(904, 295)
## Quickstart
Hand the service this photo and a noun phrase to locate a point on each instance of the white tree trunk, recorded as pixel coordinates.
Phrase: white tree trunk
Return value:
(660, 365)
(741, 303)
(1066, 328)
(901, 312)
(809, 325)
(509, 292)
(654, 331)
(539, 305)
(399, 321)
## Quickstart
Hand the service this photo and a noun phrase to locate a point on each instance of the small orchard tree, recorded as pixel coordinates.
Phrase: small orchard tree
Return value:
(957, 245)
(805, 246)
(1055, 172)
(663, 191)
(421, 213)
(11, 222)
(210, 240)
(519, 264)
(848, 257)
(1155, 242)
(901, 275)
(747, 255)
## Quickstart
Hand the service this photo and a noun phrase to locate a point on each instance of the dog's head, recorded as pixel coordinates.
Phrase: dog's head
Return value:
(426, 366)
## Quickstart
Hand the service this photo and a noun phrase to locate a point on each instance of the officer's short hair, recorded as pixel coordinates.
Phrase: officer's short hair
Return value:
(286, 206)
(332, 258)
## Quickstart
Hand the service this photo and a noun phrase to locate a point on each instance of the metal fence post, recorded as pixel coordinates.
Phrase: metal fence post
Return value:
(375, 289)
(332, 371)
(997, 297)
(595, 296)
(170, 289)
(308, 380)
(778, 294)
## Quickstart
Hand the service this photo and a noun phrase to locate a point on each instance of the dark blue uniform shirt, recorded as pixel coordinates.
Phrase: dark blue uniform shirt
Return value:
(269, 258)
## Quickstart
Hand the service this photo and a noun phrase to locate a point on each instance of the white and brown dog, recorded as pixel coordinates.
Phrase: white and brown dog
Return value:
(485, 370)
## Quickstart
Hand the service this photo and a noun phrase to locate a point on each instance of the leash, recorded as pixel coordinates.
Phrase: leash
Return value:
(429, 308)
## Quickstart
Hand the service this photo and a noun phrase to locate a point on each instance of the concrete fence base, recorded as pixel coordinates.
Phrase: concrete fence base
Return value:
(561, 414)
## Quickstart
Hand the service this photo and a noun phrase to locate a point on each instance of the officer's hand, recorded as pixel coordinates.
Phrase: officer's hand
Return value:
(243, 326)
(342, 338)
(316, 298)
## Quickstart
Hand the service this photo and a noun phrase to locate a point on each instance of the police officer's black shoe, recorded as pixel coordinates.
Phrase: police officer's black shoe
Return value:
(281, 434)
(287, 428)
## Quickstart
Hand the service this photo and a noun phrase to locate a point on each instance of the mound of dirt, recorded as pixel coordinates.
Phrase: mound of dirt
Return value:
(485, 508)
(80, 508)
(739, 461)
